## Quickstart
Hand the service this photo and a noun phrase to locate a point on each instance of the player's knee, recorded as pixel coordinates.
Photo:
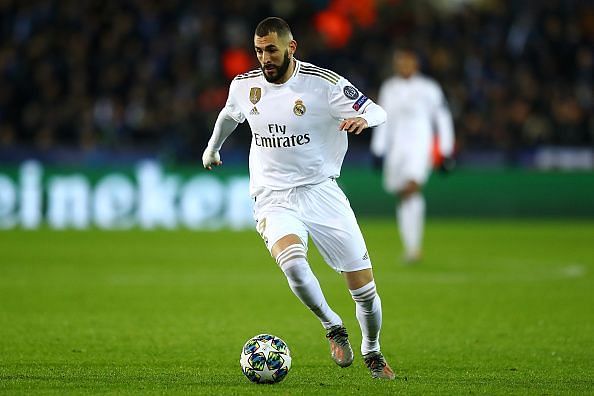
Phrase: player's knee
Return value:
(293, 262)
(284, 243)
(299, 275)
(365, 296)
(409, 189)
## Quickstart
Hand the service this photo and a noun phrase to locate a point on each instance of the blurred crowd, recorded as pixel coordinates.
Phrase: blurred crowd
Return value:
(121, 76)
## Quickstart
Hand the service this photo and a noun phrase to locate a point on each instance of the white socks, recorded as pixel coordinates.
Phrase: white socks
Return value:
(293, 262)
(411, 219)
(369, 315)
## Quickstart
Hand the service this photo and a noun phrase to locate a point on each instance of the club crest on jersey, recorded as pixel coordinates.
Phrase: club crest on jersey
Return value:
(350, 92)
(299, 108)
(255, 94)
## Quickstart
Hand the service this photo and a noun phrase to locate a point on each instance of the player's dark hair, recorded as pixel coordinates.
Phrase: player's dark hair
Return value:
(407, 49)
(273, 25)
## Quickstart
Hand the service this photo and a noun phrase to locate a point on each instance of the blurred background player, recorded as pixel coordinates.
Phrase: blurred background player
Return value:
(416, 109)
(299, 115)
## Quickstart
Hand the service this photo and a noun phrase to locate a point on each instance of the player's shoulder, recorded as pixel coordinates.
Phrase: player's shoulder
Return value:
(244, 81)
(325, 76)
(248, 75)
(391, 81)
(427, 81)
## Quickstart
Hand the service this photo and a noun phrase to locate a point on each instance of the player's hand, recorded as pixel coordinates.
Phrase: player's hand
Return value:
(211, 158)
(354, 125)
(447, 165)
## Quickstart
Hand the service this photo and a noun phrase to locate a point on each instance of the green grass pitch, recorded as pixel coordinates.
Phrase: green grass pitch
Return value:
(496, 307)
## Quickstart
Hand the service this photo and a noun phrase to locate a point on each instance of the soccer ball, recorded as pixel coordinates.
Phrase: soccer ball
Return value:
(265, 359)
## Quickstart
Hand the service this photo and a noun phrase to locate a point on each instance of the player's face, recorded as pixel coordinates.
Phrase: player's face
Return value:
(273, 56)
(406, 64)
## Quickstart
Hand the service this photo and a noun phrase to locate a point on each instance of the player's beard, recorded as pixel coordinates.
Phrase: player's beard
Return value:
(280, 70)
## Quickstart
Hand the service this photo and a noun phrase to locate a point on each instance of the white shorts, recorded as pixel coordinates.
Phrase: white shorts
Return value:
(403, 166)
(321, 211)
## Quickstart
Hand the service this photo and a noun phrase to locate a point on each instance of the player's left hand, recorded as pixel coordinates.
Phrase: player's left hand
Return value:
(354, 125)
(447, 165)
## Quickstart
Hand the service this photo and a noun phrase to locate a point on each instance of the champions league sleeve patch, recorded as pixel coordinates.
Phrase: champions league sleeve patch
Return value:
(360, 102)
(350, 92)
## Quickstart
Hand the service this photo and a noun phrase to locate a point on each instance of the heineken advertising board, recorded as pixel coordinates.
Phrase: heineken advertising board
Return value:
(147, 197)
(152, 196)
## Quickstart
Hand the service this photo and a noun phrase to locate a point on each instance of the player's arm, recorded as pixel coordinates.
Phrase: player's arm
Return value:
(445, 132)
(224, 126)
(372, 116)
(356, 110)
(379, 137)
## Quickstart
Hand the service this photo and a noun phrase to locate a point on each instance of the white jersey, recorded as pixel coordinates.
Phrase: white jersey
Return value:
(295, 136)
(416, 107)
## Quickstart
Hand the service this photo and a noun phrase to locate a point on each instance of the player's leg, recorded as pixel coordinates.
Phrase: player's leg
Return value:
(291, 256)
(397, 180)
(368, 307)
(411, 220)
(369, 314)
(410, 209)
(286, 237)
(334, 230)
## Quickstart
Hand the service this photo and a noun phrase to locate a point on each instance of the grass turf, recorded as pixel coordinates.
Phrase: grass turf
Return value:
(496, 307)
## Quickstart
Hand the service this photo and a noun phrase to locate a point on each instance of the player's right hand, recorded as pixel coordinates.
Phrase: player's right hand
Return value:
(211, 158)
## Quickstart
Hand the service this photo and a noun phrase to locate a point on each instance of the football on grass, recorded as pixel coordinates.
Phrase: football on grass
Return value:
(265, 359)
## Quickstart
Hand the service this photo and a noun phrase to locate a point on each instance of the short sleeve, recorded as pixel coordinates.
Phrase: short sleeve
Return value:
(231, 106)
(346, 101)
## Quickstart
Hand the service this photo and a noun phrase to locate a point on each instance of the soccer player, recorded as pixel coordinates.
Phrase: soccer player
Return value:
(299, 115)
(416, 107)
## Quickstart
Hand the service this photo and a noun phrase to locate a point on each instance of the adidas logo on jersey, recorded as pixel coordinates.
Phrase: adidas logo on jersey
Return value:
(254, 111)
(365, 256)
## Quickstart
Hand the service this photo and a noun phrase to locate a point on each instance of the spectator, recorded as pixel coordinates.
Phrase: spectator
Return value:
(147, 74)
